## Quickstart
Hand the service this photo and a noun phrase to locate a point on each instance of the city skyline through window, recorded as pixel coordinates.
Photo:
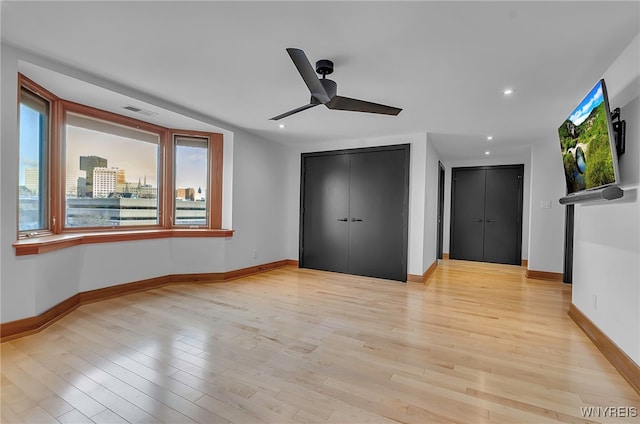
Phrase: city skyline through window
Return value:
(112, 174)
(191, 156)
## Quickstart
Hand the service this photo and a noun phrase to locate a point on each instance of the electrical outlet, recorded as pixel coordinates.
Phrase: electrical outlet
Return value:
(595, 302)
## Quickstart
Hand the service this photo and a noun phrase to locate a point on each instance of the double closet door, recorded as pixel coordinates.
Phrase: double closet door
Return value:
(486, 214)
(353, 215)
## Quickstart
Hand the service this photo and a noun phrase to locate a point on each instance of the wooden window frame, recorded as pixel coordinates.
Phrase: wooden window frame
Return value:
(52, 141)
(214, 196)
(92, 113)
(57, 236)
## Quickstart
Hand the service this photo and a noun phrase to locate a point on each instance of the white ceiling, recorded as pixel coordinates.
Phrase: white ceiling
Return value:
(445, 63)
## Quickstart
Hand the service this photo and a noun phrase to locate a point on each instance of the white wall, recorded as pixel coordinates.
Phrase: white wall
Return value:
(525, 159)
(253, 181)
(259, 185)
(606, 277)
(421, 150)
(606, 267)
(546, 225)
(430, 239)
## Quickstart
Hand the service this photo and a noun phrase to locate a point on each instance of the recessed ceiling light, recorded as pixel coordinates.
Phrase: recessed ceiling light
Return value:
(487, 152)
(282, 125)
(489, 137)
(508, 91)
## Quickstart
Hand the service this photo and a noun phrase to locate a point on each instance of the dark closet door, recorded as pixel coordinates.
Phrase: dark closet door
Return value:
(325, 213)
(486, 214)
(376, 234)
(354, 206)
(502, 216)
(467, 215)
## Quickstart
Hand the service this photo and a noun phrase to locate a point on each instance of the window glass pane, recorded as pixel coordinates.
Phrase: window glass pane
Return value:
(32, 195)
(191, 187)
(112, 174)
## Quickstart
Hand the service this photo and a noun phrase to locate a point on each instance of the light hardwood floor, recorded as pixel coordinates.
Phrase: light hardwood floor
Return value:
(478, 343)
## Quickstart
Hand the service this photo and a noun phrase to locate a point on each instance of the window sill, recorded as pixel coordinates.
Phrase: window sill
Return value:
(34, 246)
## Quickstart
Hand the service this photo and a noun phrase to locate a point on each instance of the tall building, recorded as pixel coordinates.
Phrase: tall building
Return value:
(186, 193)
(120, 178)
(81, 187)
(104, 181)
(88, 163)
(32, 180)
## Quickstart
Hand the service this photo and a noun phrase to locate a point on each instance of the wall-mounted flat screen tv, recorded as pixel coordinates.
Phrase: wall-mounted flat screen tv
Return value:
(587, 143)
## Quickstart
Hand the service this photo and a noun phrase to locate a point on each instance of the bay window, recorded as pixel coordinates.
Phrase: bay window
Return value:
(88, 171)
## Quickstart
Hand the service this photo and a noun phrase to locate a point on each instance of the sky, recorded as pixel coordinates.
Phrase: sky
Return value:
(191, 169)
(29, 140)
(593, 100)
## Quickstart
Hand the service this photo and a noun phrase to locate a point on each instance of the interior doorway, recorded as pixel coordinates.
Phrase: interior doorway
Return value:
(441, 173)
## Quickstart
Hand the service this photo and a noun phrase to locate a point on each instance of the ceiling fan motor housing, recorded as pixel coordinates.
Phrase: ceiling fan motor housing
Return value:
(324, 67)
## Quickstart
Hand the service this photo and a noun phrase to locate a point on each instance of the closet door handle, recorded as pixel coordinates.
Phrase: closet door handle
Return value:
(356, 220)
(477, 220)
(343, 219)
(491, 220)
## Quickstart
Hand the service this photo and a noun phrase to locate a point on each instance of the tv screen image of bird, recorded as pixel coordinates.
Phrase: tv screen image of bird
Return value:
(588, 151)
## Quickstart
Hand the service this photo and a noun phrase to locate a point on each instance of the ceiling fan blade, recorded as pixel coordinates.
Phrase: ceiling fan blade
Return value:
(308, 74)
(291, 112)
(355, 105)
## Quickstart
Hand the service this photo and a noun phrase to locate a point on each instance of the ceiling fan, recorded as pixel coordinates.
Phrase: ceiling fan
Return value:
(323, 91)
